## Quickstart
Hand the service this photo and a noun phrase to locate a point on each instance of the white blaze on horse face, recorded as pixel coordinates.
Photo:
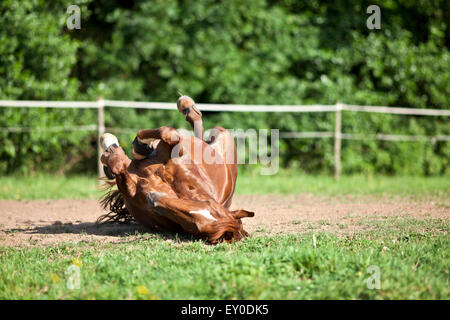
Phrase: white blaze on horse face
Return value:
(204, 213)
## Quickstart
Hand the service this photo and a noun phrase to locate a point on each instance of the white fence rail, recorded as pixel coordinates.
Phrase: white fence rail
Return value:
(337, 108)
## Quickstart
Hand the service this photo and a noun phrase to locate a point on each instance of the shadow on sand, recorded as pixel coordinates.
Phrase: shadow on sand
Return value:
(103, 229)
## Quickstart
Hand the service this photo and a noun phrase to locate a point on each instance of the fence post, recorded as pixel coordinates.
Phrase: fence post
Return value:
(101, 130)
(337, 141)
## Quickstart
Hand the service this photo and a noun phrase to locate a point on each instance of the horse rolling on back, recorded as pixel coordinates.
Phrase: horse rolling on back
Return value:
(176, 182)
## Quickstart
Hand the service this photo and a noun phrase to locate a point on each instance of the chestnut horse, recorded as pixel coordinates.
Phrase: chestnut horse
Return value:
(176, 182)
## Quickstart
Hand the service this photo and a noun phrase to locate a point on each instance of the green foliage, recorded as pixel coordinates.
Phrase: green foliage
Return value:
(247, 52)
(37, 57)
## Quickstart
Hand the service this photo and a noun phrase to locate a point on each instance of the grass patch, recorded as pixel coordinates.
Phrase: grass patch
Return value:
(412, 257)
(49, 187)
(291, 182)
(285, 182)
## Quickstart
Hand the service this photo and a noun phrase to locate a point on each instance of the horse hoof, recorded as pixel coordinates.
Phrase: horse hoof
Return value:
(184, 103)
(107, 140)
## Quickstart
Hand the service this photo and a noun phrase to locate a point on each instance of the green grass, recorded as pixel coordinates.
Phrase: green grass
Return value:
(291, 182)
(412, 258)
(49, 187)
(285, 182)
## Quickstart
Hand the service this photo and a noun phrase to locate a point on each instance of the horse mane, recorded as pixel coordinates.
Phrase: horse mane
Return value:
(113, 202)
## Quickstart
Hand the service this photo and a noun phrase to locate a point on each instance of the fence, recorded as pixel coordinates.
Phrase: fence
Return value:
(100, 105)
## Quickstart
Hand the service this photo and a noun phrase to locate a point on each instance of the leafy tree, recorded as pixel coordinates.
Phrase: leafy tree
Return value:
(234, 51)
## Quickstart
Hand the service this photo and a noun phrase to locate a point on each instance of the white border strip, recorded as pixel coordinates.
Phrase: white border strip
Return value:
(140, 105)
(283, 135)
(266, 108)
(48, 104)
(303, 135)
(396, 110)
(224, 107)
(359, 136)
(49, 129)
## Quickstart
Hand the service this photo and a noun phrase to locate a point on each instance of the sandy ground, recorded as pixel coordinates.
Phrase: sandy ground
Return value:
(30, 223)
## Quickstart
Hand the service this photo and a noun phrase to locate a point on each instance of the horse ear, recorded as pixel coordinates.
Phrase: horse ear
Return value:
(242, 214)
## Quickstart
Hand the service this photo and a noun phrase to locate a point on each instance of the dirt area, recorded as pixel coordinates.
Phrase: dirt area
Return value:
(28, 223)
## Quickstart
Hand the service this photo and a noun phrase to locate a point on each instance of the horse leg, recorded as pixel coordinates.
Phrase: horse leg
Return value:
(223, 143)
(193, 115)
(141, 144)
(116, 163)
